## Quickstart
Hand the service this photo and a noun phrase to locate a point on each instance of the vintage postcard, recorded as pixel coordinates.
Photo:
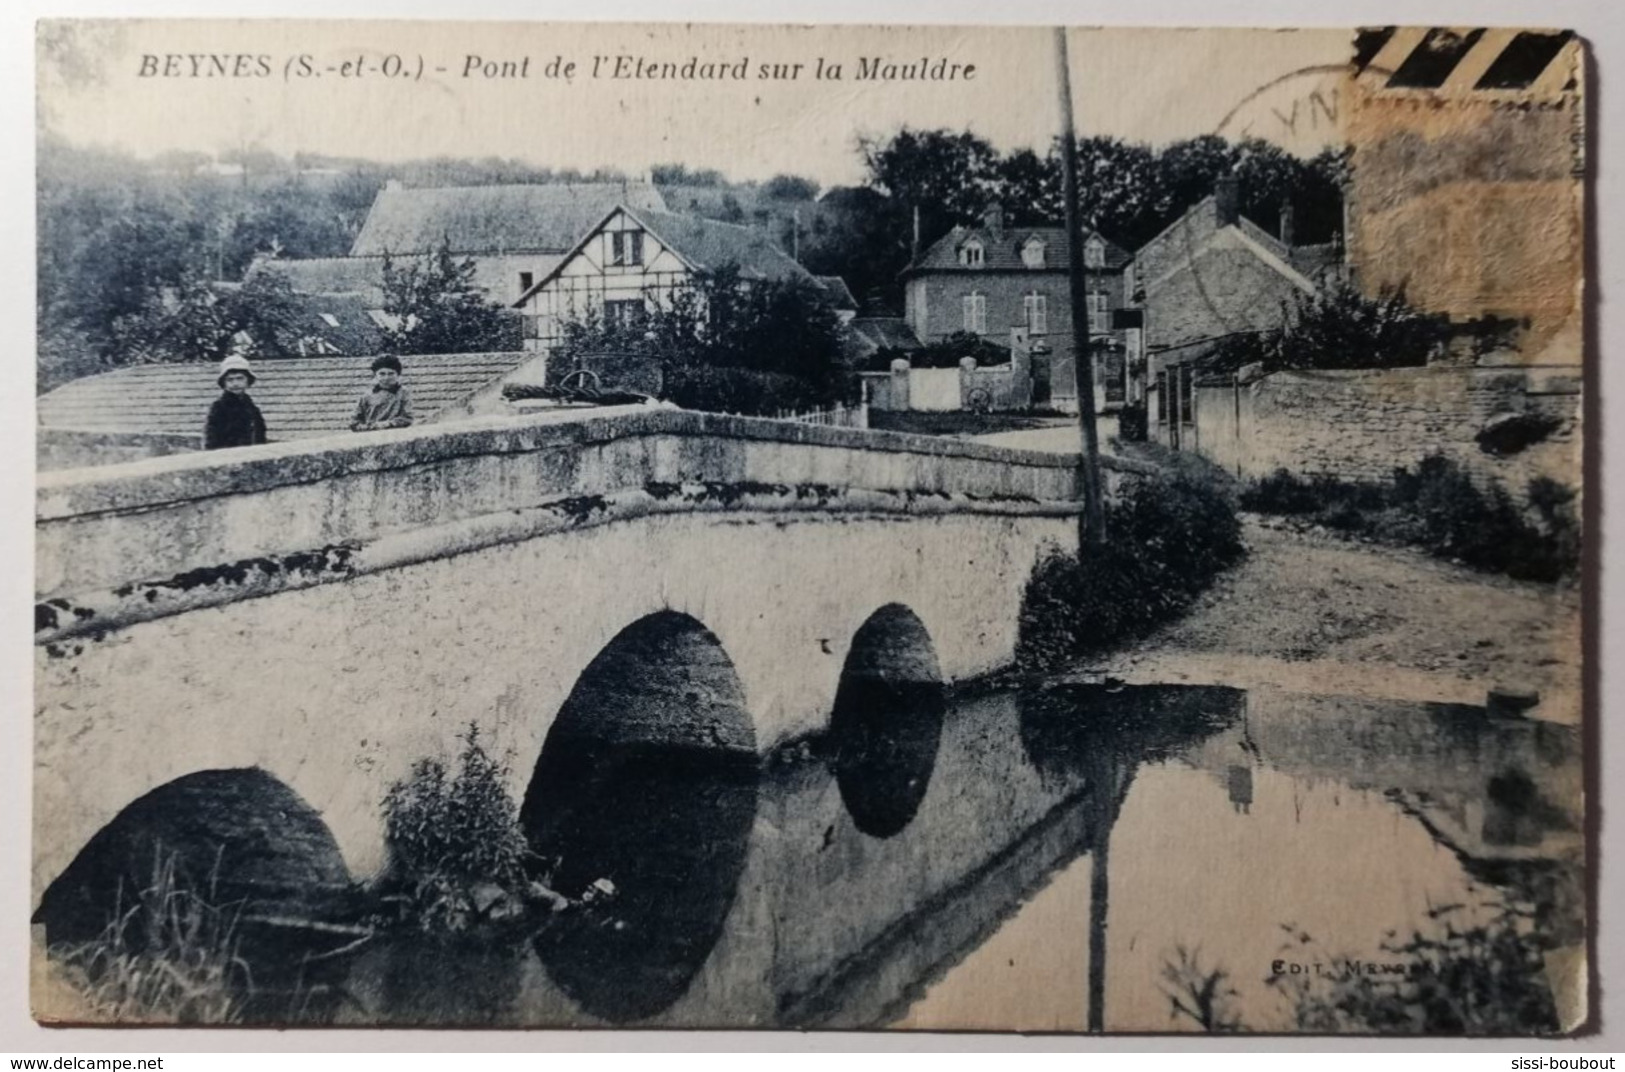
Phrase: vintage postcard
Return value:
(924, 528)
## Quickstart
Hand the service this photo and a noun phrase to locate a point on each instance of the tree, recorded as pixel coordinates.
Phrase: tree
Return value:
(790, 188)
(947, 178)
(1338, 327)
(1118, 185)
(437, 308)
(724, 343)
(681, 175)
(195, 320)
(866, 243)
(1029, 188)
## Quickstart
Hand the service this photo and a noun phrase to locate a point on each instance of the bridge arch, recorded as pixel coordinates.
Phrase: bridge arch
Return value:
(886, 722)
(641, 804)
(234, 836)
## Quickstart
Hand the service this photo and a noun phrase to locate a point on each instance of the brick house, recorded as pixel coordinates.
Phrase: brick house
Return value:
(991, 279)
(1211, 275)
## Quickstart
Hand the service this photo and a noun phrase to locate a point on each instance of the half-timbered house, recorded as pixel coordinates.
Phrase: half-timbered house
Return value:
(637, 258)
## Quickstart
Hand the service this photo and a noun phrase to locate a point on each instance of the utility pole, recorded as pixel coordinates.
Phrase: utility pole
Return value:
(1094, 514)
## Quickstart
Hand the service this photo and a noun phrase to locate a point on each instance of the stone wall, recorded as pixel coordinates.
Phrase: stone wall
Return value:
(331, 612)
(1364, 424)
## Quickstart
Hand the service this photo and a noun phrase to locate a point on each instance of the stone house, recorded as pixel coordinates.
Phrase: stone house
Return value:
(1209, 276)
(992, 279)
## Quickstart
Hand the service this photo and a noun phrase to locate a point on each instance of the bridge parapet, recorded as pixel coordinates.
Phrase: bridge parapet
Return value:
(329, 612)
(103, 529)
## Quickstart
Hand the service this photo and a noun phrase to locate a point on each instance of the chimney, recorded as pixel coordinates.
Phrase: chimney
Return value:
(1288, 235)
(914, 249)
(993, 219)
(1227, 200)
(392, 184)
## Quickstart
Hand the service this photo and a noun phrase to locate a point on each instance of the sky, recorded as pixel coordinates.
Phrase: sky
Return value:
(134, 85)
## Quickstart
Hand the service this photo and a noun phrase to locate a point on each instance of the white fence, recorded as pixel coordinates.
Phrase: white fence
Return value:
(835, 416)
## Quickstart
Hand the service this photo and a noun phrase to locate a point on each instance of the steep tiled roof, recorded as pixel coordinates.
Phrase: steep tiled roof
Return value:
(839, 294)
(1001, 252)
(710, 244)
(300, 397)
(327, 275)
(330, 324)
(492, 219)
(886, 332)
(1309, 260)
(336, 324)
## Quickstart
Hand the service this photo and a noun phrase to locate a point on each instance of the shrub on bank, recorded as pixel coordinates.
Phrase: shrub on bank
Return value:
(1167, 537)
(448, 837)
(1438, 508)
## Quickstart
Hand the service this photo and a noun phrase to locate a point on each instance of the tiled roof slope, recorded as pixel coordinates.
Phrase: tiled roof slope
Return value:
(330, 324)
(327, 275)
(354, 332)
(839, 293)
(886, 332)
(1309, 260)
(710, 244)
(492, 219)
(300, 397)
(1002, 252)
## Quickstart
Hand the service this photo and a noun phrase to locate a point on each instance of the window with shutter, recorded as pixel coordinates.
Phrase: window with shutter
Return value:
(1035, 312)
(974, 308)
(1099, 320)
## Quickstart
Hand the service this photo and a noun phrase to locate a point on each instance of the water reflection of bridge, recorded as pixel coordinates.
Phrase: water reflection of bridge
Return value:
(846, 901)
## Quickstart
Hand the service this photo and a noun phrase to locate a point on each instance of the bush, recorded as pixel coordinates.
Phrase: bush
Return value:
(1168, 537)
(1283, 492)
(1338, 327)
(445, 837)
(1439, 508)
(737, 390)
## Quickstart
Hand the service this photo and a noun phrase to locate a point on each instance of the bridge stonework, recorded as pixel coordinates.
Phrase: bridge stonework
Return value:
(331, 612)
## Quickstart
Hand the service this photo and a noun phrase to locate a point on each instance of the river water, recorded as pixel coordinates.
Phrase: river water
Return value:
(1051, 859)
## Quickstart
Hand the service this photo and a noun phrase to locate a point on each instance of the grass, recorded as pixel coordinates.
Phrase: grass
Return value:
(171, 956)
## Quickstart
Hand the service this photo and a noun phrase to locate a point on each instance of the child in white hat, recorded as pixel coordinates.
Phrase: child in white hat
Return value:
(234, 419)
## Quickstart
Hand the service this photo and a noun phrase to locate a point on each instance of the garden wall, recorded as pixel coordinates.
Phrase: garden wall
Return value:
(1364, 424)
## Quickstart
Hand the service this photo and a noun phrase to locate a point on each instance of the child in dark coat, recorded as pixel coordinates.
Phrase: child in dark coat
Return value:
(234, 419)
(385, 403)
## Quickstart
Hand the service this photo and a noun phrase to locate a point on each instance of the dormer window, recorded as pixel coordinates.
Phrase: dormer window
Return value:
(970, 254)
(1094, 253)
(1032, 252)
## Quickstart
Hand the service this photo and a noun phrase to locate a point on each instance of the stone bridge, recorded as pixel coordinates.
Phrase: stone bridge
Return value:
(327, 613)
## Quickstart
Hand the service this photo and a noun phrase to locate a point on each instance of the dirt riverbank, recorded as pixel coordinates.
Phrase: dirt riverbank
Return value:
(1311, 612)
